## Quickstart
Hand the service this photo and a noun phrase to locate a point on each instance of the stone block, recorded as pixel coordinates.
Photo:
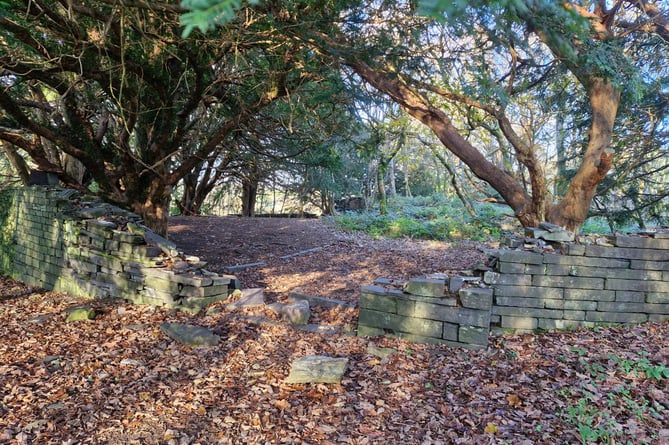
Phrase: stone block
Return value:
(641, 242)
(580, 305)
(473, 335)
(426, 287)
(627, 253)
(378, 302)
(369, 331)
(550, 324)
(575, 249)
(199, 292)
(589, 294)
(529, 291)
(637, 285)
(616, 317)
(658, 318)
(317, 369)
(657, 297)
(450, 332)
(527, 312)
(476, 298)
(585, 261)
(650, 265)
(512, 322)
(630, 296)
(520, 302)
(519, 256)
(458, 315)
(512, 268)
(397, 323)
(648, 308)
(162, 285)
(574, 315)
(497, 279)
(568, 282)
(405, 307)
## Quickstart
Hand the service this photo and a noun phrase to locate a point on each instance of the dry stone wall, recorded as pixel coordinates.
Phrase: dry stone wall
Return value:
(619, 279)
(54, 239)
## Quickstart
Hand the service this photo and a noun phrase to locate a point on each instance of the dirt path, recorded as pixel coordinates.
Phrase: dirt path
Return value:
(312, 254)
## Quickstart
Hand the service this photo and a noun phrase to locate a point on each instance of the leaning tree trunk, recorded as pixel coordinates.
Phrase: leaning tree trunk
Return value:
(572, 210)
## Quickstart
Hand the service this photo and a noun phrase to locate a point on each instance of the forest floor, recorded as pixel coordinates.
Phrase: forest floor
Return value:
(118, 380)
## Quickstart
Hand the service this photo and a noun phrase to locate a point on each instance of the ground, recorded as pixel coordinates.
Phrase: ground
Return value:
(117, 379)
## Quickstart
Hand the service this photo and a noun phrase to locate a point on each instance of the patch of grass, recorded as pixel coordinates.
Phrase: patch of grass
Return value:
(427, 218)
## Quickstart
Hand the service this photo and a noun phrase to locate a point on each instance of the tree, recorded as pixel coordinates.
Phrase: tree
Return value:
(114, 86)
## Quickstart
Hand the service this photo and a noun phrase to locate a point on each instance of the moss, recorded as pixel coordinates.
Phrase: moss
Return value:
(7, 230)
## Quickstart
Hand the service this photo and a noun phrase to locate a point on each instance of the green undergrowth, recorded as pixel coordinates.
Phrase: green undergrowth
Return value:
(432, 218)
(614, 400)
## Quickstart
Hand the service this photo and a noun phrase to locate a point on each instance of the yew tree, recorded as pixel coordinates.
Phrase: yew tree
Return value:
(113, 88)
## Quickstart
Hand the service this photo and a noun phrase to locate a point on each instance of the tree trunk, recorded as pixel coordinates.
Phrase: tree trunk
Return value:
(17, 162)
(572, 210)
(381, 186)
(249, 195)
(153, 205)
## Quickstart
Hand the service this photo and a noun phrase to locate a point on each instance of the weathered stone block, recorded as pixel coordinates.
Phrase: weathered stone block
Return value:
(450, 332)
(162, 285)
(589, 294)
(650, 265)
(568, 282)
(512, 322)
(580, 305)
(529, 291)
(630, 296)
(648, 308)
(512, 268)
(378, 302)
(473, 335)
(425, 287)
(627, 253)
(520, 302)
(527, 312)
(497, 279)
(641, 242)
(550, 324)
(585, 261)
(574, 315)
(457, 315)
(657, 297)
(575, 249)
(317, 369)
(637, 285)
(519, 256)
(199, 292)
(658, 318)
(616, 317)
(369, 331)
(476, 298)
(190, 335)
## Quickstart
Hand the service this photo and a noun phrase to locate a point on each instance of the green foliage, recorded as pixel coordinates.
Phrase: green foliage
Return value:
(426, 218)
(207, 14)
(7, 231)
(595, 408)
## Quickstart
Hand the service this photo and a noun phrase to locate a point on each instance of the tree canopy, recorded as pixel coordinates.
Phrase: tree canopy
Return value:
(555, 105)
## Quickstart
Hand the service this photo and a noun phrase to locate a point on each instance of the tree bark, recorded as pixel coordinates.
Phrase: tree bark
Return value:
(572, 210)
(249, 195)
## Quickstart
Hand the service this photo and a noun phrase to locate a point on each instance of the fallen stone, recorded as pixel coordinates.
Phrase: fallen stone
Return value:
(250, 297)
(297, 295)
(381, 353)
(190, 335)
(296, 313)
(79, 313)
(317, 369)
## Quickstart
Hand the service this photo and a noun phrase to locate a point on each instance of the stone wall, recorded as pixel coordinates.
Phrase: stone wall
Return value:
(54, 239)
(622, 279)
(422, 311)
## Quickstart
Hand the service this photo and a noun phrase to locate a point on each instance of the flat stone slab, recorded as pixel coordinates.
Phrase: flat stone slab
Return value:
(250, 297)
(190, 335)
(317, 369)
